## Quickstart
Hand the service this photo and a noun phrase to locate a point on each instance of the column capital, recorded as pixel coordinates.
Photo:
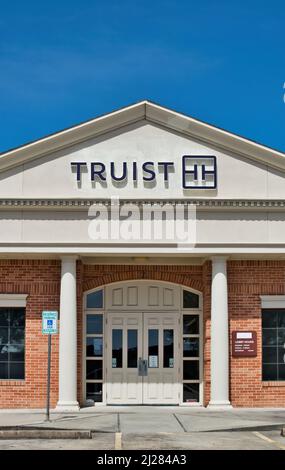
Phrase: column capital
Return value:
(69, 257)
(219, 258)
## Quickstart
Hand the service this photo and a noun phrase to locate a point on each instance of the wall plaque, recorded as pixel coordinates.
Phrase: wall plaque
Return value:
(244, 344)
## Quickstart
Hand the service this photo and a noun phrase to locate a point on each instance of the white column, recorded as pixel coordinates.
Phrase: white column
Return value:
(68, 337)
(219, 335)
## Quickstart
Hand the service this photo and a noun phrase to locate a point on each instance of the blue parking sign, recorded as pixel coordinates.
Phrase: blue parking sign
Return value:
(49, 322)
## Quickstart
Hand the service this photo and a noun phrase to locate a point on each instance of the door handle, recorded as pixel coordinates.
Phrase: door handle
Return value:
(142, 369)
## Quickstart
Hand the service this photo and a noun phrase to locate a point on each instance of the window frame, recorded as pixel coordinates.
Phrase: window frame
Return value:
(16, 302)
(86, 312)
(198, 312)
(271, 309)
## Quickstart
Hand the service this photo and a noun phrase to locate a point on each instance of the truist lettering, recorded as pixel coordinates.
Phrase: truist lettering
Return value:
(197, 172)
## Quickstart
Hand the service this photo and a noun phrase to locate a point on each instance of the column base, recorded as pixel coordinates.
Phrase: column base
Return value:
(65, 406)
(219, 405)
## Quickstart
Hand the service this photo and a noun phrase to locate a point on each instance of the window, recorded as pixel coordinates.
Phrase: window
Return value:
(190, 324)
(94, 345)
(12, 343)
(190, 300)
(95, 299)
(190, 392)
(94, 391)
(191, 357)
(94, 324)
(94, 370)
(273, 344)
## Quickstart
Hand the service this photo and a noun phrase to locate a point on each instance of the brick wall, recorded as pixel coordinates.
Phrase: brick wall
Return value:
(247, 280)
(40, 279)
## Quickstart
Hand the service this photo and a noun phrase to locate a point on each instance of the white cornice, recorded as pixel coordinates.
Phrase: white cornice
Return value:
(86, 203)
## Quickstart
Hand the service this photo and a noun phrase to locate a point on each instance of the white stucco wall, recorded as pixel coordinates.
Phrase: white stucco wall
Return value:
(218, 227)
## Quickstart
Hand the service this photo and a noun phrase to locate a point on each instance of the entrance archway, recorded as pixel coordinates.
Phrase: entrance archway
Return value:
(143, 344)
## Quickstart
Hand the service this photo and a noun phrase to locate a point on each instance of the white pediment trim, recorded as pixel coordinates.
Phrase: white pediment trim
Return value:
(154, 113)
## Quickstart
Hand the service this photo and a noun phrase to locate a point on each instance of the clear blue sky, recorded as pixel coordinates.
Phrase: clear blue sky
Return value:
(66, 61)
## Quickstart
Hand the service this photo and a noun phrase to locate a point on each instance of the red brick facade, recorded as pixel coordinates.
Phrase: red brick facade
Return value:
(40, 279)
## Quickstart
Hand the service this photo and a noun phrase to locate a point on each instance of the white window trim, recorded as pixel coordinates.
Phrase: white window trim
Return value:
(272, 301)
(13, 300)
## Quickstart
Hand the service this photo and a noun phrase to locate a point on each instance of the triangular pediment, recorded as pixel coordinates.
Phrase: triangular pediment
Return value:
(164, 154)
(153, 113)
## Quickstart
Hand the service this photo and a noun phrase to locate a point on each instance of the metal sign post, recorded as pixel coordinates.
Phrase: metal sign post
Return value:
(48, 378)
(49, 327)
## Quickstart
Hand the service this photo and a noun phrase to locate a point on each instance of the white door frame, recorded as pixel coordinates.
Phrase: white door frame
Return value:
(143, 352)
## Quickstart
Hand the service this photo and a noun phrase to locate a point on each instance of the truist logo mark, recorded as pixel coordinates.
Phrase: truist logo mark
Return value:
(198, 171)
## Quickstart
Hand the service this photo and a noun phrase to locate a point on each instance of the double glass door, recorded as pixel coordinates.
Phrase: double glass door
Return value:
(142, 358)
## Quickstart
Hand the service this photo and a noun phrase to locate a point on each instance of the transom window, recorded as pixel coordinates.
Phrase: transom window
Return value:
(190, 299)
(95, 299)
(273, 344)
(12, 343)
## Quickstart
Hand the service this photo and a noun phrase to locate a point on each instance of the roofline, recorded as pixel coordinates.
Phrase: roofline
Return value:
(135, 112)
(74, 126)
(213, 126)
(122, 108)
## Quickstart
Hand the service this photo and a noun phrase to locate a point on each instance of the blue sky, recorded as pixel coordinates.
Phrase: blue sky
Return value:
(62, 62)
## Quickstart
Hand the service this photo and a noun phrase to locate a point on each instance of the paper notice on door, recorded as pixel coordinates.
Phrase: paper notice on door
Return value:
(114, 362)
(152, 361)
(171, 362)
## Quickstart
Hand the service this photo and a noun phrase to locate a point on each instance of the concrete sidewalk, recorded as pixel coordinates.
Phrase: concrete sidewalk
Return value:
(149, 419)
(148, 428)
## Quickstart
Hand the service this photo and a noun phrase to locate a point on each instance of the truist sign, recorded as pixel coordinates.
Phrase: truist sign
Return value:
(195, 171)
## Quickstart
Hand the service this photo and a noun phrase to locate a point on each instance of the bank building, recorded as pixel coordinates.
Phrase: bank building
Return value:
(157, 321)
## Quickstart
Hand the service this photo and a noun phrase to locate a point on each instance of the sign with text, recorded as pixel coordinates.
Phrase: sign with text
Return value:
(197, 172)
(244, 344)
(49, 322)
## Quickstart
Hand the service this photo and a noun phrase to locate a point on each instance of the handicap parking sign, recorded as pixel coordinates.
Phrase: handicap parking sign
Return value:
(49, 322)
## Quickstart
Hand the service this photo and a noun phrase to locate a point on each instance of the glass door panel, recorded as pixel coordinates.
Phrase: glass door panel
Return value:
(132, 348)
(168, 348)
(117, 349)
(153, 348)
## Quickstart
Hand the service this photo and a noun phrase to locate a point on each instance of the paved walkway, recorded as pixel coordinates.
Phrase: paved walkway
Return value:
(149, 419)
(156, 428)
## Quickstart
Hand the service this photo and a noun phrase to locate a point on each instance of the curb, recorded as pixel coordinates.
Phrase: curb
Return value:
(264, 427)
(44, 434)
